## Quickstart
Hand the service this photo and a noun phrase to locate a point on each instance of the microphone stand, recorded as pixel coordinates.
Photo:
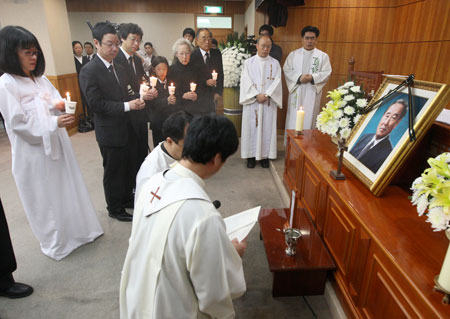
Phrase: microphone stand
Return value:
(409, 82)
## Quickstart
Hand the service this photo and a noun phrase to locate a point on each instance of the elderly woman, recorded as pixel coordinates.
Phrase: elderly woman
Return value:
(182, 73)
(164, 104)
(47, 175)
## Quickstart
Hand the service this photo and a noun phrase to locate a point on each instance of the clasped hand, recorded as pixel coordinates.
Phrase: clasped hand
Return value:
(137, 104)
(190, 96)
(261, 98)
(151, 94)
(306, 78)
(211, 82)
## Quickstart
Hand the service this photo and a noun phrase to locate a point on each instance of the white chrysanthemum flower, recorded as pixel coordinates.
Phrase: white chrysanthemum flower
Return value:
(344, 122)
(361, 102)
(341, 104)
(342, 92)
(355, 89)
(345, 133)
(422, 204)
(349, 97)
(349, 84)
(333, 131)
(356, 118)
(437, 219)
(349, 110)
(338, 114)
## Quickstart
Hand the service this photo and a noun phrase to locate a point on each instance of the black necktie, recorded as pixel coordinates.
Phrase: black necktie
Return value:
(111, 70)
(131, 62)
(207, 59)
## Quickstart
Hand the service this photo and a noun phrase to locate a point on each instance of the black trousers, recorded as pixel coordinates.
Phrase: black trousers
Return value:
(7, 260)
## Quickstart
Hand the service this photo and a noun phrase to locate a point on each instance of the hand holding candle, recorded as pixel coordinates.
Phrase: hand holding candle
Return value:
(153, 81)
(171, 89)
(300, 119)
(214, 75)
(193, 86)
(143, 90)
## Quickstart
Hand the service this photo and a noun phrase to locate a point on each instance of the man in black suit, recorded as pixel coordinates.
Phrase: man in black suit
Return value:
(131, 35)
(373, 149)
(275, 52)
(89, 49)
(108, 90)
(210, 60)
(8, 286)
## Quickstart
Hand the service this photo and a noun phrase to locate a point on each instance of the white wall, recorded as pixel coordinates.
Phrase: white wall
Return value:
(47, 20)
(249, 20)
(161, 29)
(239, 23)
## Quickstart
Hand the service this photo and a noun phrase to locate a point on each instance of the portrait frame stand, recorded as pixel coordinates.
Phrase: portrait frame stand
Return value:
(409, 82)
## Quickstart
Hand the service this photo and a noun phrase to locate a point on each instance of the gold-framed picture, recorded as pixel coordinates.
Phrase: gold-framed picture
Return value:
(380, 142)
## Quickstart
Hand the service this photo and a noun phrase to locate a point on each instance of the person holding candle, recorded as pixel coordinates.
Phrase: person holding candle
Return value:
(211, 61)
(261, 96)
(113, 95)
(130, 36)
(182, 73)
(46, 172)
(164, 104)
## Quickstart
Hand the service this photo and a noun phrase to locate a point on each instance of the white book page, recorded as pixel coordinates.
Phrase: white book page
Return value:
(240, 225)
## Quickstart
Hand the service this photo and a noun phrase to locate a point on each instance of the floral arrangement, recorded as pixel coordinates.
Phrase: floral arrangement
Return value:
(431, 191)
(234, 53)
(343, 111)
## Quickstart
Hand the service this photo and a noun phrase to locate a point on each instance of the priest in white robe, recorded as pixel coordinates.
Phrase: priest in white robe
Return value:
(261, 96)
(168, 152)
(180, 262)
(48, 178)
(306, 71)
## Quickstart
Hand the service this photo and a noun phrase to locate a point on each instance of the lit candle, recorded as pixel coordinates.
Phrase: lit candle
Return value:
(300, 119)
(68, 96)
(143, 90)
(214, 75)
(153, 81)
(171, 89)
(193, 86)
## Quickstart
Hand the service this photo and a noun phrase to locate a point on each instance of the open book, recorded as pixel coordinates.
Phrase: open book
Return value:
(239, 225)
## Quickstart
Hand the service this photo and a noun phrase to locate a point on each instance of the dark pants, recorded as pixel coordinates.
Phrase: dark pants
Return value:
(7, 260)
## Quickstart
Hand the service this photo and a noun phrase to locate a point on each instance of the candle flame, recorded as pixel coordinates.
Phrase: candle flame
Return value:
(286, 225)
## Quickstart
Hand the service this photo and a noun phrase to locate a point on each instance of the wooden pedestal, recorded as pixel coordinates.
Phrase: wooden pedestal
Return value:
(303, 274)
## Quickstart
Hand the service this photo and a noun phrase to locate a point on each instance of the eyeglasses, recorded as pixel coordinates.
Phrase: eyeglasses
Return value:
(135, 40)
(184, 53)
(110, 45)
(30, 54)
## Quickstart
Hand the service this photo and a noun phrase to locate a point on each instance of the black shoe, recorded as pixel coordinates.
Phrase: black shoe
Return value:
(17, 290)
(265, 163)
(251, 162)
(123, 216)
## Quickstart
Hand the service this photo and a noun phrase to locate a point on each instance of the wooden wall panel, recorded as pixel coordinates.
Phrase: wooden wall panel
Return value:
(442, 74)
(163, 6)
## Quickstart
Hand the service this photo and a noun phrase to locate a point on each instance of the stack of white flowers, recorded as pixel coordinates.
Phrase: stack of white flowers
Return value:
(344, 110)
(233, 59)
(431, 192)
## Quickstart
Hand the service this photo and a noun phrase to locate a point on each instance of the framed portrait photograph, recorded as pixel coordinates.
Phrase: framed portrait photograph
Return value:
(380, 142)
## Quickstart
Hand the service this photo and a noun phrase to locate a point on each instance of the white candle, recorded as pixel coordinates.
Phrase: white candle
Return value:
(193, 86)
(153, 81)
(291, 217)
(143, 90)
(171, 89)
(214, 75)
(300, 119)
(68, 96)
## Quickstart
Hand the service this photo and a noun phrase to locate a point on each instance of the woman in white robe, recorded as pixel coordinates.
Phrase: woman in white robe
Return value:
(47, 175)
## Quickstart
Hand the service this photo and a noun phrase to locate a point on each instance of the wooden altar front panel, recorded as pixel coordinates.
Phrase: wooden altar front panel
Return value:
(386, 255)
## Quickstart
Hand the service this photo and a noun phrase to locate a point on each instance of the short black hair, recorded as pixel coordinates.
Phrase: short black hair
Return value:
(148, 43)
(189, 31)
(266, 27)
(175, 125)
(13, 39)
(214, 41)
(203, 29)
(88, 43)
(207, 136)
(73, 45)
(102, 28)
(126, 28)
(159, 59)
(310, 29)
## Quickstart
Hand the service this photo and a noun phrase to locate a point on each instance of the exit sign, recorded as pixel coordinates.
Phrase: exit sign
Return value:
(213, 9)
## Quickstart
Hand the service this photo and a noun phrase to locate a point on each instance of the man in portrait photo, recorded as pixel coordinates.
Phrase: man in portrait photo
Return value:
(372, 149)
